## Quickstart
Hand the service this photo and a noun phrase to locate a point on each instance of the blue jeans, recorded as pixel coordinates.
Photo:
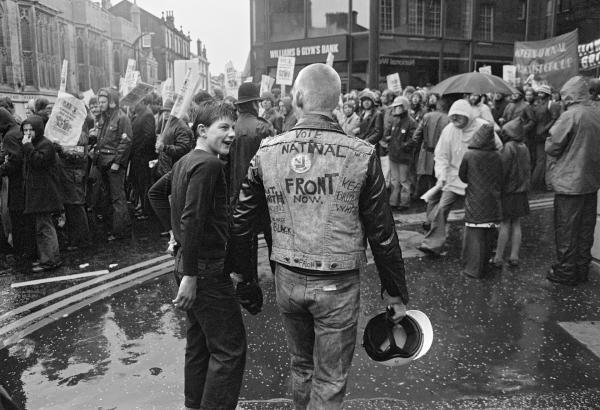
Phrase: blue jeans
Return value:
(215, 352)
(320, 315)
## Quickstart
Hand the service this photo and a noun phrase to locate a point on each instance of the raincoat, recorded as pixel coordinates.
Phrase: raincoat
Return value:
(573, 147)
(453, 144)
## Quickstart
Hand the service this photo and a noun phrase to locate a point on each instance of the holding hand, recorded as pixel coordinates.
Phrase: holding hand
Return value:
(115, 167)
(250, 296)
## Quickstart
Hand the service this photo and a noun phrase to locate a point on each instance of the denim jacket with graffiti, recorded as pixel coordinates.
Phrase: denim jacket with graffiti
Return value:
(325, 195)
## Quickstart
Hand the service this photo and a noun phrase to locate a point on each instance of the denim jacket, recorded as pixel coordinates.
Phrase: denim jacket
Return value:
(325, 193)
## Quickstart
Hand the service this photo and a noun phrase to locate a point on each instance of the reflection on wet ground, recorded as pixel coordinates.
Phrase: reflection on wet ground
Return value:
(497, 343)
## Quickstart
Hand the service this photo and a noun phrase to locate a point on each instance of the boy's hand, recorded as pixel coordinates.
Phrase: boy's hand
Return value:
(186, 294)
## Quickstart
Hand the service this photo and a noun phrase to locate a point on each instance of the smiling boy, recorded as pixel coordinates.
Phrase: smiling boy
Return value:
(191, 200)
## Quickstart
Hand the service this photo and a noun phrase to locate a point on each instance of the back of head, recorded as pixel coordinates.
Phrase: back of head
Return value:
(40, 104)
(6, 102)
(6, 120)
(513, 130)
(201, 96)
(317, 89)
(484, 138)
(575, 90)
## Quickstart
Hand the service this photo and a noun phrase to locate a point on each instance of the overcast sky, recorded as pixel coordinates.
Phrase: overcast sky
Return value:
(223, 25)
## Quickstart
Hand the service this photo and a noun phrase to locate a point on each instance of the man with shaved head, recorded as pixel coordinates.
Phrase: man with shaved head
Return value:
(325, 193)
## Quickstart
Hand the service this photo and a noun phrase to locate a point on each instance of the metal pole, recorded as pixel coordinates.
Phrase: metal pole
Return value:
(374, 45)
(472, 34)
(527, 22)
(443, 36)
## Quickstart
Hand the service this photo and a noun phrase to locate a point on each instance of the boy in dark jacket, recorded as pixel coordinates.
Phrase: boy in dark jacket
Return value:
(481, 169)
(516, 164)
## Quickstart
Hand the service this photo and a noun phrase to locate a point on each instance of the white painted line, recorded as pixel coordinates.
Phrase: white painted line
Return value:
(587, 333)
(59, 278)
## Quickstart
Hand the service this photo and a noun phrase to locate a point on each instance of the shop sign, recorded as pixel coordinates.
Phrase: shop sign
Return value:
(389, 60)
(310, 50)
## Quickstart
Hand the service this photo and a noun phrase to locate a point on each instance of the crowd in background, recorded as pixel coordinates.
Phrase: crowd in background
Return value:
(102, 183)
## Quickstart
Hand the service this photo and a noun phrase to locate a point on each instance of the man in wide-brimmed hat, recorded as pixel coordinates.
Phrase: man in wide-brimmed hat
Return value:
(250, 130)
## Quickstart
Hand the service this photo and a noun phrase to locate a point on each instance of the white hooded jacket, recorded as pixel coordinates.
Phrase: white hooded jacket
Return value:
(453, 144)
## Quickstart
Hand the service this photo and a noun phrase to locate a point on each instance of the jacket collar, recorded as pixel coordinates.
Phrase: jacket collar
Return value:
(318, 122)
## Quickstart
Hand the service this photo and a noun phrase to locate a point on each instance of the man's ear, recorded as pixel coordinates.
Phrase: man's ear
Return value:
(201, 130)
(298, 99)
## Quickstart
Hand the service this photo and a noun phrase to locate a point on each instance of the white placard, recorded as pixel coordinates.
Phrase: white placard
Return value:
(129, 81)
(185, 95)
(285, 70)
(63, 76)
(393, 82)
(266, 83)
(330, 59)
(509, 74)
(167, 90)
(486, 69)
(66, 120)
(136, 95)
(87, 96)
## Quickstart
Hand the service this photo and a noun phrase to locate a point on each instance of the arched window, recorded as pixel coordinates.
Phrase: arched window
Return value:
(1, 26)
(26, 34)
(80, 53)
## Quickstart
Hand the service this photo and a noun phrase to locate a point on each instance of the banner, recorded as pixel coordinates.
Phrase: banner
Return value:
(285, 70)
(136, 95)
(266, 83)
(393, 83)
(66, 120)
(63, 76)
(486, 69)
(589, 55)
(552, 61)
(509, 74)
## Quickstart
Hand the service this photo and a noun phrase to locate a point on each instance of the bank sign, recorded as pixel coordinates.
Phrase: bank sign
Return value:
(309, 50)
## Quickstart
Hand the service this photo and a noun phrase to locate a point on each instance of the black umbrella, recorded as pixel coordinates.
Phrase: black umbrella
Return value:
(473, 83)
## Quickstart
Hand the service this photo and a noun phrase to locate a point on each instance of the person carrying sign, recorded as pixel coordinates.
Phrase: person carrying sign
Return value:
(111, 155)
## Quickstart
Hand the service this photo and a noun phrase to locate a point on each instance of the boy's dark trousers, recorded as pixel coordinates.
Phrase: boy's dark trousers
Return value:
(478, 245)
(215, 353)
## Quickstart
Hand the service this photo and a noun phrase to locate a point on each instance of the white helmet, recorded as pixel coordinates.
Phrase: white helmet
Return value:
(397, 344)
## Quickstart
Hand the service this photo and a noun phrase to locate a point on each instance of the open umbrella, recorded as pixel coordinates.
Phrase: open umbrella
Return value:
(473, 83)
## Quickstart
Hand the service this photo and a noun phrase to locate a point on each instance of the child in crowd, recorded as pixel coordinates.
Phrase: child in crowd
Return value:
(517, 177)
(481, 169)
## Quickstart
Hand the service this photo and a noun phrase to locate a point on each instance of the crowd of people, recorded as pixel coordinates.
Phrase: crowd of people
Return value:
(228, 169)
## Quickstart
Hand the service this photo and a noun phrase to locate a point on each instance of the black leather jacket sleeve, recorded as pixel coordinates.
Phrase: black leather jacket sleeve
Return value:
(247, 217)
(378, 221)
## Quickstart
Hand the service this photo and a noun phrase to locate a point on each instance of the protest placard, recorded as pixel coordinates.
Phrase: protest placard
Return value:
(129, 81)
(509, 74)
(136, 95)
(393, 82)
(185, 95)
(552, 61)
(87, 96)
(285, 70)
(329, 60)
(266, 83)
(63, 76)
(589, 55)
(167, 91)
(486, 69)
(66, 120)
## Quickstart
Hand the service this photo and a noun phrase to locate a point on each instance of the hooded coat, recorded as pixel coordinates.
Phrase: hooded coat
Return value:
(41, 172)
(403, 126)
(573, 148)
(11, 157)
(427, 136)
(453, 144)
(178, 140)
(516, 161)
(481, 169)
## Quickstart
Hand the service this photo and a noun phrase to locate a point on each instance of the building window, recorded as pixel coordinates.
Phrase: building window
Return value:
(386, 16)
(286, 20)
(80, 52)
(467, 19)
(424, 17)
(486, 22)
(5, 75)
(26, 46)
(549, 18)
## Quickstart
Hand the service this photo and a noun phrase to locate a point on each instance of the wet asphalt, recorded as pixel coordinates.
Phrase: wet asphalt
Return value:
(497, 341)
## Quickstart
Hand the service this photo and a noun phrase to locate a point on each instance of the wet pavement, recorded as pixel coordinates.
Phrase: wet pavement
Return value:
(499, 342)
